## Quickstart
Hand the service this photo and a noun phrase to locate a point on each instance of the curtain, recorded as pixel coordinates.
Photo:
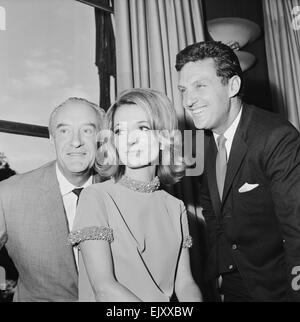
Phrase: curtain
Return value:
(149, 34)
(105, 54)
(282, 37)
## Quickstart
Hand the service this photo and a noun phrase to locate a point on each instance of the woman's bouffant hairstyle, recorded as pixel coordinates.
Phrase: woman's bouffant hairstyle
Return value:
(162, 119)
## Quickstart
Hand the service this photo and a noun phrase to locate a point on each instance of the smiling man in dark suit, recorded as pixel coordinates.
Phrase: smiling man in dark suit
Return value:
(37, 208)
(251, 182)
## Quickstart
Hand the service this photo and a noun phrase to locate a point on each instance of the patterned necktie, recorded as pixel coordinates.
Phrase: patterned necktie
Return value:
(221, 164)
(77, 192)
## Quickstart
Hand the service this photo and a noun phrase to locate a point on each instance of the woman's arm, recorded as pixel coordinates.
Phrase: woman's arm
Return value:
(99, 266)
(186, 288)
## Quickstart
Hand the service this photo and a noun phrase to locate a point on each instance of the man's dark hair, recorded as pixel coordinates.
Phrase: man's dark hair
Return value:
(226, 62)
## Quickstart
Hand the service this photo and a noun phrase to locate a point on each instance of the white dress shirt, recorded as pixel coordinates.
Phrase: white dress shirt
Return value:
(229, 133)
(70, 199)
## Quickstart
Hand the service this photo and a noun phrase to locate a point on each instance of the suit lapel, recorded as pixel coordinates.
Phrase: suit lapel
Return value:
(211, 152)
(56, 216)
(237, 155)
(238, 152)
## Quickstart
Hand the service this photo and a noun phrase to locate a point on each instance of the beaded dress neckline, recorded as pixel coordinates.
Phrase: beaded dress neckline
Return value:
(140, 186)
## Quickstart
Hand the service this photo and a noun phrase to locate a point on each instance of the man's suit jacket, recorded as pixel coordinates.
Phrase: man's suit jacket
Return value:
(34, 226)
(261, 226)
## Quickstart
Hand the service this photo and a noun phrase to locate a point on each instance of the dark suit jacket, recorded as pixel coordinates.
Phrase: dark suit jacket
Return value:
(34, 226)
(261, 226)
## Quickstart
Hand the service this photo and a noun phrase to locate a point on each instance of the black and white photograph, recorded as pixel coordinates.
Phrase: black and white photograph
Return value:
(150, 152)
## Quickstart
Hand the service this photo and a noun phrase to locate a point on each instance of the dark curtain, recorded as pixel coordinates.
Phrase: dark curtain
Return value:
(105, 53)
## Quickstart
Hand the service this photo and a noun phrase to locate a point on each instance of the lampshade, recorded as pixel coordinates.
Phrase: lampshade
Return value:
(246, 59)
(233, 29)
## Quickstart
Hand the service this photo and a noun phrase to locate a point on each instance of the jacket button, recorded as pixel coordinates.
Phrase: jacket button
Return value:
(234, 246)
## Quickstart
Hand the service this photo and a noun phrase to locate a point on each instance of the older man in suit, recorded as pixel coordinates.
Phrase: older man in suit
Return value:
(251, 182)
(37, 208)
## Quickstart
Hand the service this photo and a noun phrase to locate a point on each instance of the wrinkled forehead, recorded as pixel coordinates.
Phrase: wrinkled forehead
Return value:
(74, 114)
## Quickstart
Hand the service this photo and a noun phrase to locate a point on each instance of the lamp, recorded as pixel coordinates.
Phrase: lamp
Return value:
(246, 59)
(236, 33)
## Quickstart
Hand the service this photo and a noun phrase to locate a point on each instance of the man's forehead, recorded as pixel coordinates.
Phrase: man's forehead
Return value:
(77, 105)
(201, 69)
(76, 115)
(74, 110)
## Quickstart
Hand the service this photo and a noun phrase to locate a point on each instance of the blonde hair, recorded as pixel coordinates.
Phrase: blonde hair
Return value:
(162, 118)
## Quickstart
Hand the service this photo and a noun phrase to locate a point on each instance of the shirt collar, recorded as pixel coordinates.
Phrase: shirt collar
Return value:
(230, 132)
(65, 186)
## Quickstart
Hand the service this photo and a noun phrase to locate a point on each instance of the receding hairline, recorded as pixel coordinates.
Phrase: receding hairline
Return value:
(99, 112)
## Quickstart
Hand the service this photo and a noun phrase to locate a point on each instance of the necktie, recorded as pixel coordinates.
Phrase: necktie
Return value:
(221, 164)
(77, 192)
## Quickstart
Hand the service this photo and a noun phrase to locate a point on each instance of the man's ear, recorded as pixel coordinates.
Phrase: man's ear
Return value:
(234, 85)
(51, 138)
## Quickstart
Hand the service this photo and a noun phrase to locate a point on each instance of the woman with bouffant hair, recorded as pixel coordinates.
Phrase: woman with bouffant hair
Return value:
(163, 121)
(133, 237)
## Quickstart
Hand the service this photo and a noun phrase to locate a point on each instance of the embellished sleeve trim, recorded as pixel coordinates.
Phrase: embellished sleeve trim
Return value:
(187, 242)
(91, 233)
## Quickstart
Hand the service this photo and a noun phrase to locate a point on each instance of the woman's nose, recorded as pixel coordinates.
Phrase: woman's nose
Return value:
(132, 137)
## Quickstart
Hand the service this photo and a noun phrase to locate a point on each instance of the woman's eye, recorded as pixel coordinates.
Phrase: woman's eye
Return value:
(144, 128)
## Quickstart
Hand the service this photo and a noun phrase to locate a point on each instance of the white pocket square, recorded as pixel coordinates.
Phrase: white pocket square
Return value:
(248, 187)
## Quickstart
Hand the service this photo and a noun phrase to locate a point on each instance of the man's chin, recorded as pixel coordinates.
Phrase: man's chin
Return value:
(199, 125)
(79, 168)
